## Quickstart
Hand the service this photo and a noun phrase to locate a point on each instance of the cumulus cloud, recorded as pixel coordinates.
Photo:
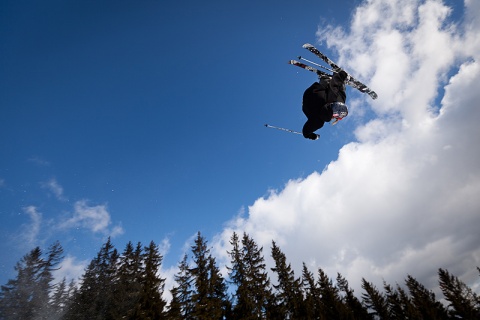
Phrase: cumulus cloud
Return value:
(403, 198)
(94, 218)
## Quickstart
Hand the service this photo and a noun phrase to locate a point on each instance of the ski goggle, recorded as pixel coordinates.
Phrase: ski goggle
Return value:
(339, 110)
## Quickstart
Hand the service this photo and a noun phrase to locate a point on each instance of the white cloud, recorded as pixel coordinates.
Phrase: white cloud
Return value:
(38, 161)
(31, 230)
(55, 188)
(164, 246)
(94, 218)
(70, 269)
(169, 276)
(404, 198)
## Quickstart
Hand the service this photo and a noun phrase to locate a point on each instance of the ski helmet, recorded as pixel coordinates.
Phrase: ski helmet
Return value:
(340, 111)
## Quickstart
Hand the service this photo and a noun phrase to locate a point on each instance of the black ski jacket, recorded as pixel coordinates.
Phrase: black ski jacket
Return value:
(315, 99)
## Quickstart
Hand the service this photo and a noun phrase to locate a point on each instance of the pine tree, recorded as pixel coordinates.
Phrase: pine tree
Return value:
(45, 281)
(94, 299)
(312, 303)
(181, 305)
(27, 296)
(478, 297)
(462, 300)
(375, 301)
(59, 301)
(220, 305)
(200, 275)
(209, 293)
(408, 307)
(399, 305)
(331, 302)
(72, 293)
(249, 276)
(351, 302)
(17, 294)
(151, 304)
(128, 286)
(289, 299)
(424, 301)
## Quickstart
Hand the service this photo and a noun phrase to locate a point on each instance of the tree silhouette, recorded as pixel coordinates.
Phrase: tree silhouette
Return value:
(27, 296)
(374, 301)
(129, 286)
(209, 289)
(181, 306)
(424, 301)
(288, 294)
(463, 302)
(150, 302)
(250, 277)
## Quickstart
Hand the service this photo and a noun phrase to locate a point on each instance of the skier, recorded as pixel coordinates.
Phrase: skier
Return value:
(324, 101)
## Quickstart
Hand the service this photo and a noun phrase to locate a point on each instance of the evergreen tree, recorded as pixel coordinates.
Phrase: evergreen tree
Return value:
(351, 302)
(181, 305)
(60, 300)
(312, 302)
(375, 301)
(128, 286)
(27, 296)
(68, 297)
(45, 281)
(399, 304)
(17, 294)
(289, 298)
(478, 296)
(220, 305)
(209, 295)
(462, 300)
(331, 302)
(409, 308)
(174, 310)
(249, 276)
(200, 278)
(94, 299)
(424, 301)
(151, 304)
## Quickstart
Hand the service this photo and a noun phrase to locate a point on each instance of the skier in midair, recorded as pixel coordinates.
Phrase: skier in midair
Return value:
(323, 101)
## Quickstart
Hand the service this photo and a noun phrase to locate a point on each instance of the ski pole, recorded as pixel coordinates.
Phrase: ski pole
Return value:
(283, 129)
(316, 64)
(287, 130)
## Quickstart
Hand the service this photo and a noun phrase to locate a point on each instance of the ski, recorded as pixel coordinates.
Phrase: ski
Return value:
(287, 130)
(351, 81)
(316, 52)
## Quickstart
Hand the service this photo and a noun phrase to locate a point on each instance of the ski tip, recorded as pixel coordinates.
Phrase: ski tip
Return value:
(306, 45)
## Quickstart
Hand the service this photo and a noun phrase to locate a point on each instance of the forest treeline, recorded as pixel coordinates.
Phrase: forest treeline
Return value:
(128, 285)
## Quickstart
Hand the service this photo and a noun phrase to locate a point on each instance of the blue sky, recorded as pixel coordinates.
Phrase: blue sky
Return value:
(143, 120)
(153, 109)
